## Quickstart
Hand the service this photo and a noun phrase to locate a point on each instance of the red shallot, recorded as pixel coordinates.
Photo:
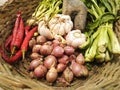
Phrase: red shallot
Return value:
(41, 39)
(80, 59)
(50, 61)
(36, 48)
(61, 67)
(76, 68)
(34, 64)
(51, 75)
(68, 75)
(32, 42)
(46, 49)
(64, 59)
(35, 56)
(40, 71)
(58, 51)
(69, 50)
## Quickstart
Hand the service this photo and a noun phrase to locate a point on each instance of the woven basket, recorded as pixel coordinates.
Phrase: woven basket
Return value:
(16, 77)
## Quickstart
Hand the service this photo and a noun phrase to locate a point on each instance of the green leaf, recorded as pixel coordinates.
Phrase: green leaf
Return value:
(107, 17)
(93, 25)
(107, 5)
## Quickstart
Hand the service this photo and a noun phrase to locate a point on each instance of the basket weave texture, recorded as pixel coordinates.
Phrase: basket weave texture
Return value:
(15, 77)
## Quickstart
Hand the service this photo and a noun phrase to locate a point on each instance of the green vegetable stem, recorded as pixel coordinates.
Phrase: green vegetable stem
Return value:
(45, 11)
(103, 41)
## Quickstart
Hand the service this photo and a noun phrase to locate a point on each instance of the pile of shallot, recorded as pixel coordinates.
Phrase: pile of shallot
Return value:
(55, 61)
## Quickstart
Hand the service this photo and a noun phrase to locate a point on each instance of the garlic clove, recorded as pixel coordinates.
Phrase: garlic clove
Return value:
(61, 29)
(67, 27)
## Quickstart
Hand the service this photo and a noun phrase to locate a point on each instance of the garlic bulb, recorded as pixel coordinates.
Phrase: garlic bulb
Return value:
(60, 24)
(44, 30)
(75, 38)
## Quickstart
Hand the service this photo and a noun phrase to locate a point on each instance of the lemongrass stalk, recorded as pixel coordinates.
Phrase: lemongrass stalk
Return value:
(107, 56)
(90, 54)
(100, 57)
(114, 40)
(103, 39)
(101, 49)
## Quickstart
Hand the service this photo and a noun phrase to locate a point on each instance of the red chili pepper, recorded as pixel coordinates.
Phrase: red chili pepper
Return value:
(27, 29)
(25, 43)
(11, 59)
(7, 42)
(15, 30)
(19, 37)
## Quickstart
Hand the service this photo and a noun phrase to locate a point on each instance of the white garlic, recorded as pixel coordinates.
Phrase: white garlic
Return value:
(44, 30)
(75, 38)
(62, 24)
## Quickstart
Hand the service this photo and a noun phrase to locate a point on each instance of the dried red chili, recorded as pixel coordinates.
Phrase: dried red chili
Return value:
(15, 30)
(20, 36)
(7, 42)
(25, 43)
(12, 59)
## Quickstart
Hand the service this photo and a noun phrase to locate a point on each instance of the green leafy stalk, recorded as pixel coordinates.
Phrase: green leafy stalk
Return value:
(91, 51)
(45, 11)
(115, 46)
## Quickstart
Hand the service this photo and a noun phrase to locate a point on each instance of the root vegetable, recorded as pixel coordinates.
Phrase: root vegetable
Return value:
(75, 38)
(50, 61)
(84, 71)
(55, 43)
(51, 75)
(34, 64)
(62, 81)
(68, 75)
(72, 57)
(35, 56)
(64, 59)
(36, 48)
(41, 39)
(69, 50)
(48, 43)
(40, 71)
(46, 49)
(58, 51)
(80, 59)
(32, 42)
(76, 69)
(61, 67)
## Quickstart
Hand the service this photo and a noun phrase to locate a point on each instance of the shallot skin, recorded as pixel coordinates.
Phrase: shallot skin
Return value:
(35, 56)
(61, 67)
(46, 49)
(40, 39)
(51, 75)
(32, 42)
(80, 59)
(36, 48)
(34, 64)
(40, 71)
(68, 75)
(50, 61)
(58, 51)
(69, 50)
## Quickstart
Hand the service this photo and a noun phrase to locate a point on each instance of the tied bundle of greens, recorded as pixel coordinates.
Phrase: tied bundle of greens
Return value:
(45, 10)
(103, 41)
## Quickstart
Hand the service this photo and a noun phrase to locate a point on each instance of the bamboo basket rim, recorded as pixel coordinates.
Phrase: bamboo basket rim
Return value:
(106, 77)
